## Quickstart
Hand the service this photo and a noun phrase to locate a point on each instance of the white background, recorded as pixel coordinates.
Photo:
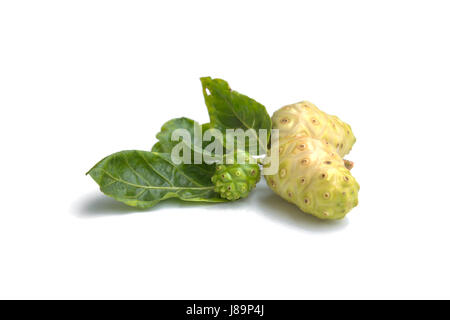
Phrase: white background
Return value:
(80, 80)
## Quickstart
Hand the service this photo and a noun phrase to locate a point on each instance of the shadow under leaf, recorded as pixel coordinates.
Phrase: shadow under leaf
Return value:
(263, 200)
(97, 205)
(100, 205)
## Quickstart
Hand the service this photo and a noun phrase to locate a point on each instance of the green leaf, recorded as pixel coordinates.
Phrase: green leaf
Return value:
(165, 143)
(142, 179)
(229, 109)
(206, 127)
(158, 147)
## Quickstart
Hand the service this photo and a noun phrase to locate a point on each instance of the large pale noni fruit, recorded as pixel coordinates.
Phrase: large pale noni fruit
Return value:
(313, 176)
(305, 119)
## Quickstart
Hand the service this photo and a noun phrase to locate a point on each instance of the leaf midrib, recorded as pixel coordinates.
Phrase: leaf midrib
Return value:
(152, 187)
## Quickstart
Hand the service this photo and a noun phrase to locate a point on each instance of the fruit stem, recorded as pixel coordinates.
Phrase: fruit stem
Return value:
(349, 164)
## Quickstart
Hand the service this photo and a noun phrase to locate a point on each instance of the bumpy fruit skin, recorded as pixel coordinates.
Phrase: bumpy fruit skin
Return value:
(236, 181)
(305, 119)
(313, 176)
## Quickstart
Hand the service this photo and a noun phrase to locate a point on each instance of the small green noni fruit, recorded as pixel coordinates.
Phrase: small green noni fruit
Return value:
(313, 176)
(236, 181)
(305, 119)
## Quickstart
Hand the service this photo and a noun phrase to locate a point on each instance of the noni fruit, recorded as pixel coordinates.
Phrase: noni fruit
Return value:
(304, 118)
(313, 176)
(235, 181)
